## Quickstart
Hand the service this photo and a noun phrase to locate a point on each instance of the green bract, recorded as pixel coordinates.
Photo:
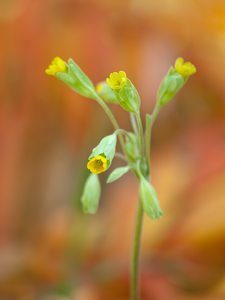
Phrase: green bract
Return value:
(149, 199)
(117, 173)
(91, 194)
(77, 80)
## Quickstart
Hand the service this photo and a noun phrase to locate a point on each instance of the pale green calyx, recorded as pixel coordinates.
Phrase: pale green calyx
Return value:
(149, 199)
(124, 91)
(91, 194)
(170, 86)
(174, 80)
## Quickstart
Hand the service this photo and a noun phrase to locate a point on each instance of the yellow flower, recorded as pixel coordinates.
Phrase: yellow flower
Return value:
(185, 69)
(117, 80)
(57, 65)
(97, 164)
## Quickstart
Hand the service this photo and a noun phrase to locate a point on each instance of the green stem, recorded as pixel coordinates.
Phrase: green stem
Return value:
(150, 119)
(134, 123)
(112, 119)
(121, 156)
(145, 151)
(140, 133)
(148, 138)
(136, 253)
(138, 226)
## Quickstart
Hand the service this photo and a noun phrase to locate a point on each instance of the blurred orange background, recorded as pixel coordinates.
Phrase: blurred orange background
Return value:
(50, 250)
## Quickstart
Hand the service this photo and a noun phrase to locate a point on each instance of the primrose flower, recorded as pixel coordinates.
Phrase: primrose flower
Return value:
(185, 69)
(117, 80)
(97, 164)
(102, 155)
(57, 65)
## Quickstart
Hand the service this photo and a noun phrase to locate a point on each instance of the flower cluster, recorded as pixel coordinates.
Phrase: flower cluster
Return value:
(118, 89)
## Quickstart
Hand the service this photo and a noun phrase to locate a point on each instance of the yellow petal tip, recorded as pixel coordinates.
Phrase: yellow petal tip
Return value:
(185, 69)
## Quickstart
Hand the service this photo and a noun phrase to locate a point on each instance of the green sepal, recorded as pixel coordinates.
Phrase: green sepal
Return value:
(77, 80)
(106, 93)
(149, 199)
(91, 194)
(170, 86)
(106, 147)
(128, 97)
(117, 173)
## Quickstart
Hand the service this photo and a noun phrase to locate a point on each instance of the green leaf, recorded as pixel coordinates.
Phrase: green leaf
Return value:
(117, 173)
(91, 194)
(149, 200)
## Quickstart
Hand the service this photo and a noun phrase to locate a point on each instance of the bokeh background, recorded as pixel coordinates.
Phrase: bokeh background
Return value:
(50, 250)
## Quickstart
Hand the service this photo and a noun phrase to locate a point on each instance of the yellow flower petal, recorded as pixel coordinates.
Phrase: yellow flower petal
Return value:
(57, 65)
(97, 164)
(117, 80)
(185, 69)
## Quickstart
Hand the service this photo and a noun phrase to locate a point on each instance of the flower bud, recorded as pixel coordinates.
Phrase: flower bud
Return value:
(170, 86)
(174, 80)
(102, 155)
(124, 91)
(72, 75)
(91, 194)
(149, 199)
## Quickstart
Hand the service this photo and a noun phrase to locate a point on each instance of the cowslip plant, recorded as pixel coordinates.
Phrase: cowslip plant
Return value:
(135, 144)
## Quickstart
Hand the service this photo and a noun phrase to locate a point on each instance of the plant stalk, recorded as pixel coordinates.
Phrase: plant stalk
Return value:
(135, 278)
(145, 147)
(112, 119)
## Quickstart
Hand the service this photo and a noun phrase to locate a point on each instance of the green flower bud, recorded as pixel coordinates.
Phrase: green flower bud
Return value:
(149, 199)
(102, 155)
(125, 91)
(170, 86)
(117, 173)
(175, 79)
(91, 194)
(72, 75)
